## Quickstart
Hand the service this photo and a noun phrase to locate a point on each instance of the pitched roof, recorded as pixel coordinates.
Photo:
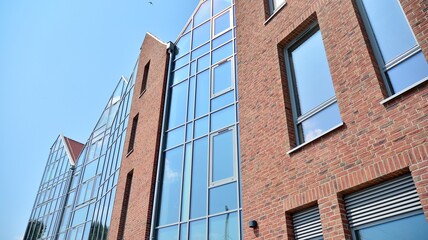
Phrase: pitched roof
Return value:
(74, 147)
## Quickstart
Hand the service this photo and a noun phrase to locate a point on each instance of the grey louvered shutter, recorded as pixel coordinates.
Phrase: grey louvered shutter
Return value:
(382, 201)
(307, 224)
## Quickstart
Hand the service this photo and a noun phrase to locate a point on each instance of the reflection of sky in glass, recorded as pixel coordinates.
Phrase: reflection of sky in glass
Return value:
(199, 178)
(222, 77)
(390, 27)
(223, 198)
(197, 230)
(312, 74)
(222, 23)
(203, 13)
(408, 72)
(177, 113)
(321, 122)
(183, 45)
(220, 5)
(223, 118)
(201, 34)
(222, 156)
(167, 233)
(224, 227)
(415, 227)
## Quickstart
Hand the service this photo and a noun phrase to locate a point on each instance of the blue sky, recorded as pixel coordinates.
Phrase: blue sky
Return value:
(59, 63)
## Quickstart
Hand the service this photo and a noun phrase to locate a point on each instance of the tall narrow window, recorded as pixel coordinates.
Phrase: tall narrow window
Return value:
(145, 76)
(312, 94)
(125, 203)
(133, 132)
(398, 53)
(275, 5)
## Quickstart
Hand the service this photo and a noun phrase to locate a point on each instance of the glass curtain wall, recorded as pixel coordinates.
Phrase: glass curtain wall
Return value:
(88, 210)
(199, 187)
(52, 193)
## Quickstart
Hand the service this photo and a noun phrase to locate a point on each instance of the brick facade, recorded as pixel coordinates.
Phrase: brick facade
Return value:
(143, 159)
(376, 142)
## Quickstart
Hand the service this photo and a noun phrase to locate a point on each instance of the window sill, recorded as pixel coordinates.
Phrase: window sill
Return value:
(312, 140)
(130, 152)
(275, 13)
(142, 93)
(403, 91)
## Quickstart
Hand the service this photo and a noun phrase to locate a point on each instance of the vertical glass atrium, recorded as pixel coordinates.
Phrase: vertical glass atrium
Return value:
(198, 194)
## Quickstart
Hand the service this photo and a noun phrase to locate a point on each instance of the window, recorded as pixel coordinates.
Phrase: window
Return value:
(133, 132)
(390, 210)
(399, 55)
(275, 5)
(307, 224)
(145, 76)
(313, 98)
(125, 203)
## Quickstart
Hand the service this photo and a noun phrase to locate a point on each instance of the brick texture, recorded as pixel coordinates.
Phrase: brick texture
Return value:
(143, 159)
(377, 142)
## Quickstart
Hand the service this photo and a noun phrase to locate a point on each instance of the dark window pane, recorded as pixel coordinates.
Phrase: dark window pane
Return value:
(177, 111)
(220, 5)
(223, 198)
(222, 39)
(169, 206)
(390, 27)
(312, 74)
(202, 93)
(223, 156)
(167, 233)
(321, 122)
(223, 118)
(175, 137)
(222, 23)
(410, 228)
(224, 227)
(222, 52)
(408, 72)
(183, 45)
(199, 178)
(222, 100)
(201, 35)
(198, 230)
(201, 127)
(222, 77)
(203, 13)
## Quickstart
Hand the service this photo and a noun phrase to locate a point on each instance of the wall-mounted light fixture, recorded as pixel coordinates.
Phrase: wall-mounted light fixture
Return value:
(252, 224)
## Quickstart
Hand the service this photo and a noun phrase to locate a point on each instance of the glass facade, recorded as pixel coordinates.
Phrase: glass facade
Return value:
(52, 193)
(76, 201)
(199, 188)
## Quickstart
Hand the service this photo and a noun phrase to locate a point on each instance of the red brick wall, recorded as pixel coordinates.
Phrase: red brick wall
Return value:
(377, 142)
(143, 159)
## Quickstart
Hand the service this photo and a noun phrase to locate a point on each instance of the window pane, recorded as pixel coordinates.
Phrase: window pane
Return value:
(181, 62)
(189, 133)
(223, 198)
(183, 232)
(191, 103)
(90, 170)
(222, 52)
(222, 77)
(203, 62)
(180, 74)
(408, 72)
(203, 13)
(186, 183)
(199, 178)
(198, 230)
(193, 68)
(312, 74)
(220, 5)
(222, 100)
(223, 118)
(223, 156)
(201, 127)
(200, 51)
(277, 3)
(201, 35)
(167, 233)
(175, 137)
(202, 93)
(415, 227)
(390, 27)
(222, 39)
(79, 216)
(177, 111)
(321, 122)
(222, 23)
(183, 45)
(169, 206)
(224, 227)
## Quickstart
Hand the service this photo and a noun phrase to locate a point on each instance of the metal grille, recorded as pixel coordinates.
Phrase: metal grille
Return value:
(382, 201)
(307, 224)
